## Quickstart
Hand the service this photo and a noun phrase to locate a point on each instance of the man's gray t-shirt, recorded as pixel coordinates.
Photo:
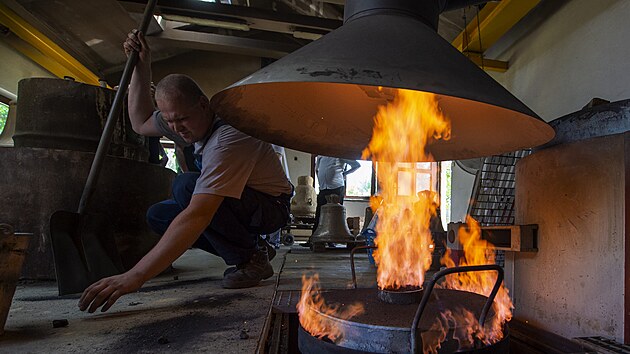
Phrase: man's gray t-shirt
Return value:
(233, 160)
(329, 172)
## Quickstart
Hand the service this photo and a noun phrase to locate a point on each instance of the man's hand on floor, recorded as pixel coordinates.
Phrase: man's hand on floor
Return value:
(106, 291)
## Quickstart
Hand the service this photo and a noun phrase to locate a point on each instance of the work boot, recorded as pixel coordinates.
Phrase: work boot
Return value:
(249, 273)
(262, 245)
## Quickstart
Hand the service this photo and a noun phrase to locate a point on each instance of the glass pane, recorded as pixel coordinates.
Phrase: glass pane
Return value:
(359, 182)
(423, 165)
(404, 165)
(445, 189)
(4, 113)
(172, 159)
(405, 186)
(423, 182)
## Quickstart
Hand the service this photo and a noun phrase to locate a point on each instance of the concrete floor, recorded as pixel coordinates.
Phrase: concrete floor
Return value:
(184, 310)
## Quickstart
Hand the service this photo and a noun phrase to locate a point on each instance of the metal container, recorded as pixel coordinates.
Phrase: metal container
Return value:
(68, 115)
(386, 328)
(12, 253)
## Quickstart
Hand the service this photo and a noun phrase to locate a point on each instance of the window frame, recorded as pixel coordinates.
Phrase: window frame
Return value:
(435, 178)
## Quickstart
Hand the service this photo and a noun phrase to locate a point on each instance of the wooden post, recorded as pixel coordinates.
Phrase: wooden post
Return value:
(12, 251)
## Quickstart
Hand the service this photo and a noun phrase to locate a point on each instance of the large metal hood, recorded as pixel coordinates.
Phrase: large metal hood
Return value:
(322, 98)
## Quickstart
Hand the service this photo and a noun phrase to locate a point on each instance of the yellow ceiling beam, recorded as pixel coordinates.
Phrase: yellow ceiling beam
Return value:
(487, 64)
(492, 22)
(42, 50)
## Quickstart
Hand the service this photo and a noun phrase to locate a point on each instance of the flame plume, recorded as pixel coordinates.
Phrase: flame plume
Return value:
(402, 131)
(478, 252)
(313, 311)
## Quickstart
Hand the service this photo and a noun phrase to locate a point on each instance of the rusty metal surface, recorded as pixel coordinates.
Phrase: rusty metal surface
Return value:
(311, 345)
(398, 317)
(67, 115)
(35, 182)
(286, 301)
(601, 120)
(386, 327)
(12, 251)
(410, 295)
(527, 338)
(602, 345)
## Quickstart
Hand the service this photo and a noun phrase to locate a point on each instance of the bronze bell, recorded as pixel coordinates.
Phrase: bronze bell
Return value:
(332, 227)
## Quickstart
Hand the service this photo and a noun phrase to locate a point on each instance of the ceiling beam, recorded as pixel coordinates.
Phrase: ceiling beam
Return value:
(42, 50)
(492, 22)
(255, 18)
(487, 64)
(225, 43)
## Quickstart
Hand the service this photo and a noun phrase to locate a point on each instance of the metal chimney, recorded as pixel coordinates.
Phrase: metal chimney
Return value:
(322, 98)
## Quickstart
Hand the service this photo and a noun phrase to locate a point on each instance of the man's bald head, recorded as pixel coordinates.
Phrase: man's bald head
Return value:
(178, 87)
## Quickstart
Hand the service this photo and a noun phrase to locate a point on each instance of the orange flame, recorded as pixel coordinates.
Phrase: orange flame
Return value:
(477, 252)
(314, 312)
(402, 131)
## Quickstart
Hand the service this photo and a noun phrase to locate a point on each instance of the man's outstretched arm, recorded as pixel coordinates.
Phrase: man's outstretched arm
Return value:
(180, 235)
(140, 97)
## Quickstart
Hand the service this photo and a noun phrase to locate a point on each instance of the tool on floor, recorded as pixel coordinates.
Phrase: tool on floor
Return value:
(84, 249)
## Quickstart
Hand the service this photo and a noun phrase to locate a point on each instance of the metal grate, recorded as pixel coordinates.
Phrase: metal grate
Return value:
(603, 345)
(493, 192)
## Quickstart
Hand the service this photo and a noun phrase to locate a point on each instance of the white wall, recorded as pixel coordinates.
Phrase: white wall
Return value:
(299, 164)
(580, 52)
(14, 67)
(356, 208)
(577, 54)
(574, 285)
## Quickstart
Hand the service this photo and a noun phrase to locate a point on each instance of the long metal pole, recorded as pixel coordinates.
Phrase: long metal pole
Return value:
(114, 112)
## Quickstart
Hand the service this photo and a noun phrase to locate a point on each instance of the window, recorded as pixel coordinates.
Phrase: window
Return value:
(4, 113)
(446, 168)
(412, 178)
(359, 182)
(416, 177)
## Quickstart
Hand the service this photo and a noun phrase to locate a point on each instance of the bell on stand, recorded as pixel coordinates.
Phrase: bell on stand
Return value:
(332, 227)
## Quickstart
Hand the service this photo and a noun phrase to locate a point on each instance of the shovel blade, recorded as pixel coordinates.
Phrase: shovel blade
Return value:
(70, 266)
(84, 250)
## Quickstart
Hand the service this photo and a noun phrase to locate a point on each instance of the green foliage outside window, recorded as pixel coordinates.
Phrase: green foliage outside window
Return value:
(4, 112)
(359, 183)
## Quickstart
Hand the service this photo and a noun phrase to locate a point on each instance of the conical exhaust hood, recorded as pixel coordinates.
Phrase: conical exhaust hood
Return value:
(322, 98)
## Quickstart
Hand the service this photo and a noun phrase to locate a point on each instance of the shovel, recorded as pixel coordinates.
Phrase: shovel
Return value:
(83, 246)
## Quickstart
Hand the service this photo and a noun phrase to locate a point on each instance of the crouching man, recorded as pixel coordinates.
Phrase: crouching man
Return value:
(240, 193)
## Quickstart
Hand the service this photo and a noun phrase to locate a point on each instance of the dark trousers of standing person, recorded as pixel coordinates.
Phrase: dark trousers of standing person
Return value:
(234, 229)
(321, 200)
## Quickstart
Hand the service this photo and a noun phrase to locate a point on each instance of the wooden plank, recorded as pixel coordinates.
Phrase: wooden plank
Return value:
(333, 268)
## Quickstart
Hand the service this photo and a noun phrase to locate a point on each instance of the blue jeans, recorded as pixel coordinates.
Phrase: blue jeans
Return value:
(234, 229)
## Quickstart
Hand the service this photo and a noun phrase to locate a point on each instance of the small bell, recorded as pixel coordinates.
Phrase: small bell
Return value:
(332, 227)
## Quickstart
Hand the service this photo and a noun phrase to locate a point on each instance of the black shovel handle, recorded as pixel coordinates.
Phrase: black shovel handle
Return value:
(110, 123)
